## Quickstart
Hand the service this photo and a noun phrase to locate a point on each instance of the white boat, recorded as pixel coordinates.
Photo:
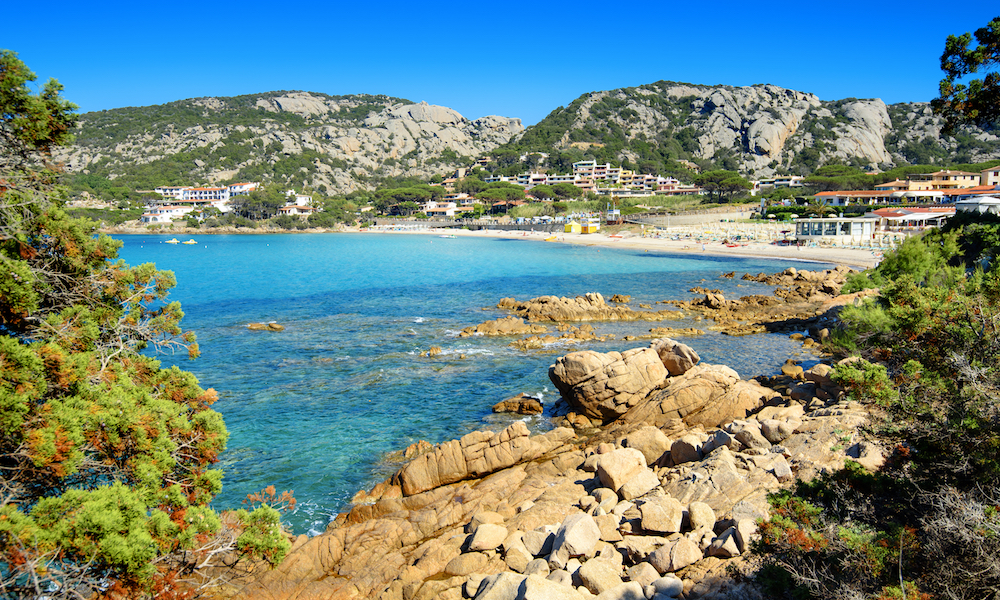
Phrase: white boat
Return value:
(173, 241)
(449, 236)
(189, 242)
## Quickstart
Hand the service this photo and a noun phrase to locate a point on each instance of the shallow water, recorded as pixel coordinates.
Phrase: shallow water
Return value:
(319, 407)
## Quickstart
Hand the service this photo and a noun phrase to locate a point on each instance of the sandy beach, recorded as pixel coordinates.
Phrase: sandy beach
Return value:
(704, 237)
(864, 258)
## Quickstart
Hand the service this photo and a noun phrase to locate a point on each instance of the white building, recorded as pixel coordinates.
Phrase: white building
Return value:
(165, 214)
(200, 197)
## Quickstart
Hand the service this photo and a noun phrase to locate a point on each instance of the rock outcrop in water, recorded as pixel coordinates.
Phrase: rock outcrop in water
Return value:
(626, 511)
(589, 307)
(655, 495)
(501, 327)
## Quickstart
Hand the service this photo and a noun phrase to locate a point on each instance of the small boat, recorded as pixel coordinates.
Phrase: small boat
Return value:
(173, 241)
(551, 239)
(449, 236)
(189, 242)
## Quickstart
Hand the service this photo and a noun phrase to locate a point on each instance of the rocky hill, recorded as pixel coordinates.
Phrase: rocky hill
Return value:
(331, 143)
(759, 130)
(338, 144)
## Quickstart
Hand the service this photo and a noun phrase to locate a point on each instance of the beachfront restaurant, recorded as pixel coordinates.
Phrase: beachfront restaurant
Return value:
(842, 231)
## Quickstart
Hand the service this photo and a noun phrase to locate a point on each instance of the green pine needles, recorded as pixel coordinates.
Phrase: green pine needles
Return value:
(106, 459)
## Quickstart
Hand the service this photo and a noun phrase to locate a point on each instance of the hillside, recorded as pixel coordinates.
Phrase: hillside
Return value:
(759, 130)
(338, 144)
(331, 143)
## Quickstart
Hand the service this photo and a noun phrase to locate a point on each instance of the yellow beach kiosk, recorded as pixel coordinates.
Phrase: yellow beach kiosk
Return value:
(592, 225)
(572, 227)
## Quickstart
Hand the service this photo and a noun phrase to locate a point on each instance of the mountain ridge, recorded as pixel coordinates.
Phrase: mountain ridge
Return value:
(759, 130)
(330, 143)
(338, 144)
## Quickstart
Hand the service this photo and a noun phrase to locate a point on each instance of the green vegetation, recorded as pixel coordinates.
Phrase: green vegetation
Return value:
(105, 216)
(928, 350)
(979, 101)
(722, 185)
(107, 458)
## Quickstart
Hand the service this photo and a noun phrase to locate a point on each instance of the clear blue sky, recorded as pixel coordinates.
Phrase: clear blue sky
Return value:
(516, 59)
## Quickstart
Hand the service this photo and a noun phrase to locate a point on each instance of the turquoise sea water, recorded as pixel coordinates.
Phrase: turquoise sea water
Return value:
(319, 407)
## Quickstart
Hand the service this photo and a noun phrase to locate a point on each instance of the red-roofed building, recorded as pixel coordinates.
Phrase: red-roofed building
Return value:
(906, 219)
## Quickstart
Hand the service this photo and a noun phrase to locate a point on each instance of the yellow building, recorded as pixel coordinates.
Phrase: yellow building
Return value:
(572, 227)
(943, 180)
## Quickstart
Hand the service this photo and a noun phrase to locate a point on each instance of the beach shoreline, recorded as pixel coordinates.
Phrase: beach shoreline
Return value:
(851, 257)
(711, 245)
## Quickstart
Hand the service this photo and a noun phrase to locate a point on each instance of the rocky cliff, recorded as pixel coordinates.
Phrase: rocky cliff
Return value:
(758, 130)
(331, 143)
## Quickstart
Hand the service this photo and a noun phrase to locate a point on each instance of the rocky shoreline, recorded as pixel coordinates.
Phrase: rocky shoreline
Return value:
(650, 486)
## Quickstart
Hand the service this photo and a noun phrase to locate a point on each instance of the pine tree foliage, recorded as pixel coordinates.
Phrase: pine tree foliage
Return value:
(105, 457)
(978, 100)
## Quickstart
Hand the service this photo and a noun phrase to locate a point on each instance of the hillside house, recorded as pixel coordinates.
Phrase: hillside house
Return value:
(296, 209)
(990, 176)
(165, 214)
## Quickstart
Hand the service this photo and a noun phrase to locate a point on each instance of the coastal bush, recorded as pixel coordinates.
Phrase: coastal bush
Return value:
(106, 457)
(927, 352)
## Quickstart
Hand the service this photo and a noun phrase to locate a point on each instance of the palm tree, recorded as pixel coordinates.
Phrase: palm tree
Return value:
(818, 208)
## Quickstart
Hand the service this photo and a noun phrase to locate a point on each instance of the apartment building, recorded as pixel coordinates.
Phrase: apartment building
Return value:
(216, 196)
(943, 180)
(602, 180)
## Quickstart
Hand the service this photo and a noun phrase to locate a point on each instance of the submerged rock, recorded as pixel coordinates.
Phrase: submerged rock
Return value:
(520, 404)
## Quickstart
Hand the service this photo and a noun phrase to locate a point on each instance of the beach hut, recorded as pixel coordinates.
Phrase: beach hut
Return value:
(591, 225)
(572, 227)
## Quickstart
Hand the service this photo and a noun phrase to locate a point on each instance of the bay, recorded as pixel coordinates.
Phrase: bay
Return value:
(321, 407)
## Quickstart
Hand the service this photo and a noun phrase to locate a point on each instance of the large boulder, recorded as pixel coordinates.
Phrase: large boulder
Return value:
(707, 395)
(652, 442)
(577, 536)
(617, 467)
(676, 357)
(675, 556)
(605, 386)
(662, 514)
(475, 455)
